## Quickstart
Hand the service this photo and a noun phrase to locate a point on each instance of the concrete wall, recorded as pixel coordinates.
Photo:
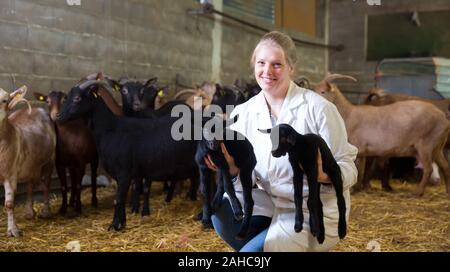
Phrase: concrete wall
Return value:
(347, 26)
(48, 44)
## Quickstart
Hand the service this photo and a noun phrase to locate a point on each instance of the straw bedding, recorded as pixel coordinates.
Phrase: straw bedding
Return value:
(393, 221)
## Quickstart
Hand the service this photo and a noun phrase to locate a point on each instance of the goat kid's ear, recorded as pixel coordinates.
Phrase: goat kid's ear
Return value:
(265, 131)
(40, 97)
(150, 82)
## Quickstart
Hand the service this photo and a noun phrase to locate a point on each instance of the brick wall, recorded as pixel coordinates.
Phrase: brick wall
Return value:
(47, 44)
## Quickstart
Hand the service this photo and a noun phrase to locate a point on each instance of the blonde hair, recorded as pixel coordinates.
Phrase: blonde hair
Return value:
(281, 40)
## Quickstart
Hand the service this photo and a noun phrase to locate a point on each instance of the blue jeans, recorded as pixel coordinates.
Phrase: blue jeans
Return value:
(227, 228)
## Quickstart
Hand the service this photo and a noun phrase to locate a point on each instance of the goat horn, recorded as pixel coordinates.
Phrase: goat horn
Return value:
(17, 101)
(332, 77)
(88, 83)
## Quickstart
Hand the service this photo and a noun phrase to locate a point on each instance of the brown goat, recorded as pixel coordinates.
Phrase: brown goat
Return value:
(406, 128)
(75, 147)
(27, 153)
(379, 97)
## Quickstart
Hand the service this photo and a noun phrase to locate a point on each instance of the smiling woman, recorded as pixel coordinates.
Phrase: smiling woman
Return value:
(281, 101)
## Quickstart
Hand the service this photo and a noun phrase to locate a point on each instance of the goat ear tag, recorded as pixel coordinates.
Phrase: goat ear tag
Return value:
(161, 93)
(41, 98)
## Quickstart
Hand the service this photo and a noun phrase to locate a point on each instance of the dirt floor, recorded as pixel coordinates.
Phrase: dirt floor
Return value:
(393, 221)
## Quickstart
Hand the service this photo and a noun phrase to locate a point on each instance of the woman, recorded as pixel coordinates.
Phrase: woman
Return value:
(281, 101)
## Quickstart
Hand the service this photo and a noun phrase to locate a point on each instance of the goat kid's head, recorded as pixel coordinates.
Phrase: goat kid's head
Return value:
(214, 131)
(283, 138)
(329, 90)
(137, 96)
(9, 100)
(54, 101)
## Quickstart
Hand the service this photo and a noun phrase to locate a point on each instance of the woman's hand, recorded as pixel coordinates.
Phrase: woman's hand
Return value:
(234, 171)
(321, 176)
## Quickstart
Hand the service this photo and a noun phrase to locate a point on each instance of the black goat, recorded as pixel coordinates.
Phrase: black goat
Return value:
(138, 101)
(242, 152)
(129, 148)
(303, 154)
(227, 95)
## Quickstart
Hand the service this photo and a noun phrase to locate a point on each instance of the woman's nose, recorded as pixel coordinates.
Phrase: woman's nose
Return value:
(267, 69)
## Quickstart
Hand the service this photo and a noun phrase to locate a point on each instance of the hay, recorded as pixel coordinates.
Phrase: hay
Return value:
(396, 221)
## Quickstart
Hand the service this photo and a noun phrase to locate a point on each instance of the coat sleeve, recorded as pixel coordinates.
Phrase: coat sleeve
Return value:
(331, 127)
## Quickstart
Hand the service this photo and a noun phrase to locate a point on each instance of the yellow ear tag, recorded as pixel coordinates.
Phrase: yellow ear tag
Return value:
(41, 98)
(161, 93)
(95, 94)
(116, 88)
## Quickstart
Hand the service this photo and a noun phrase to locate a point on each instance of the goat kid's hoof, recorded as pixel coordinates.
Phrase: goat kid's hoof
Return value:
(145, 218)
(321, 238)
(298, 227)
(388, 189)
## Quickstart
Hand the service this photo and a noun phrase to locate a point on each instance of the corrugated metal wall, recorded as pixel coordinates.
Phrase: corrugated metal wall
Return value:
(260, 9)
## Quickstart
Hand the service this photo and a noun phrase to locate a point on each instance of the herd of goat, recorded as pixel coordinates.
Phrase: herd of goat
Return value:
(133, 141)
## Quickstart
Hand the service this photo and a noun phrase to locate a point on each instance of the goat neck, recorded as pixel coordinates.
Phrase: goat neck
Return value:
(343, 105)
(6, 130)
(110, 102)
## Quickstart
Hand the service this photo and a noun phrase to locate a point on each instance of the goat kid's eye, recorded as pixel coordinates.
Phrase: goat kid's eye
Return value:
(124, 91)
(76, 99)
(4, 101)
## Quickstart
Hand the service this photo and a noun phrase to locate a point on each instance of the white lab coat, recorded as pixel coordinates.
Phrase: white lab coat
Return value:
(306, 112)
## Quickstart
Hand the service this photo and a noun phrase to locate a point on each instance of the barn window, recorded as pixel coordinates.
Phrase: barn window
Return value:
(302, 16)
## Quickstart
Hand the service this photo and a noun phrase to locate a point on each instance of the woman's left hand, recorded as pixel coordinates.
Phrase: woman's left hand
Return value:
(322, 177)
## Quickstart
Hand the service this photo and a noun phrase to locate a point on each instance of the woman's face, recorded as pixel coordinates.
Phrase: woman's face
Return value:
(272, 72)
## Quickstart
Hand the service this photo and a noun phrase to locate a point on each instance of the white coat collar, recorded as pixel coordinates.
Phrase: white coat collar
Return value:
(294, 98)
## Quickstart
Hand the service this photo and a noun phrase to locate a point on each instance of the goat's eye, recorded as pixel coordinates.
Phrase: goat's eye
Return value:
(76, 99)
(4, 101)
(125, 91)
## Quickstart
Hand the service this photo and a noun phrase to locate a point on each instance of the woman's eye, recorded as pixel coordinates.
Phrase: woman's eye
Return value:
(277, 65)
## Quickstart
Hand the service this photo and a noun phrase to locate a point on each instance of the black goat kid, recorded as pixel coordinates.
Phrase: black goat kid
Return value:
(242, 152)
(303, 154)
